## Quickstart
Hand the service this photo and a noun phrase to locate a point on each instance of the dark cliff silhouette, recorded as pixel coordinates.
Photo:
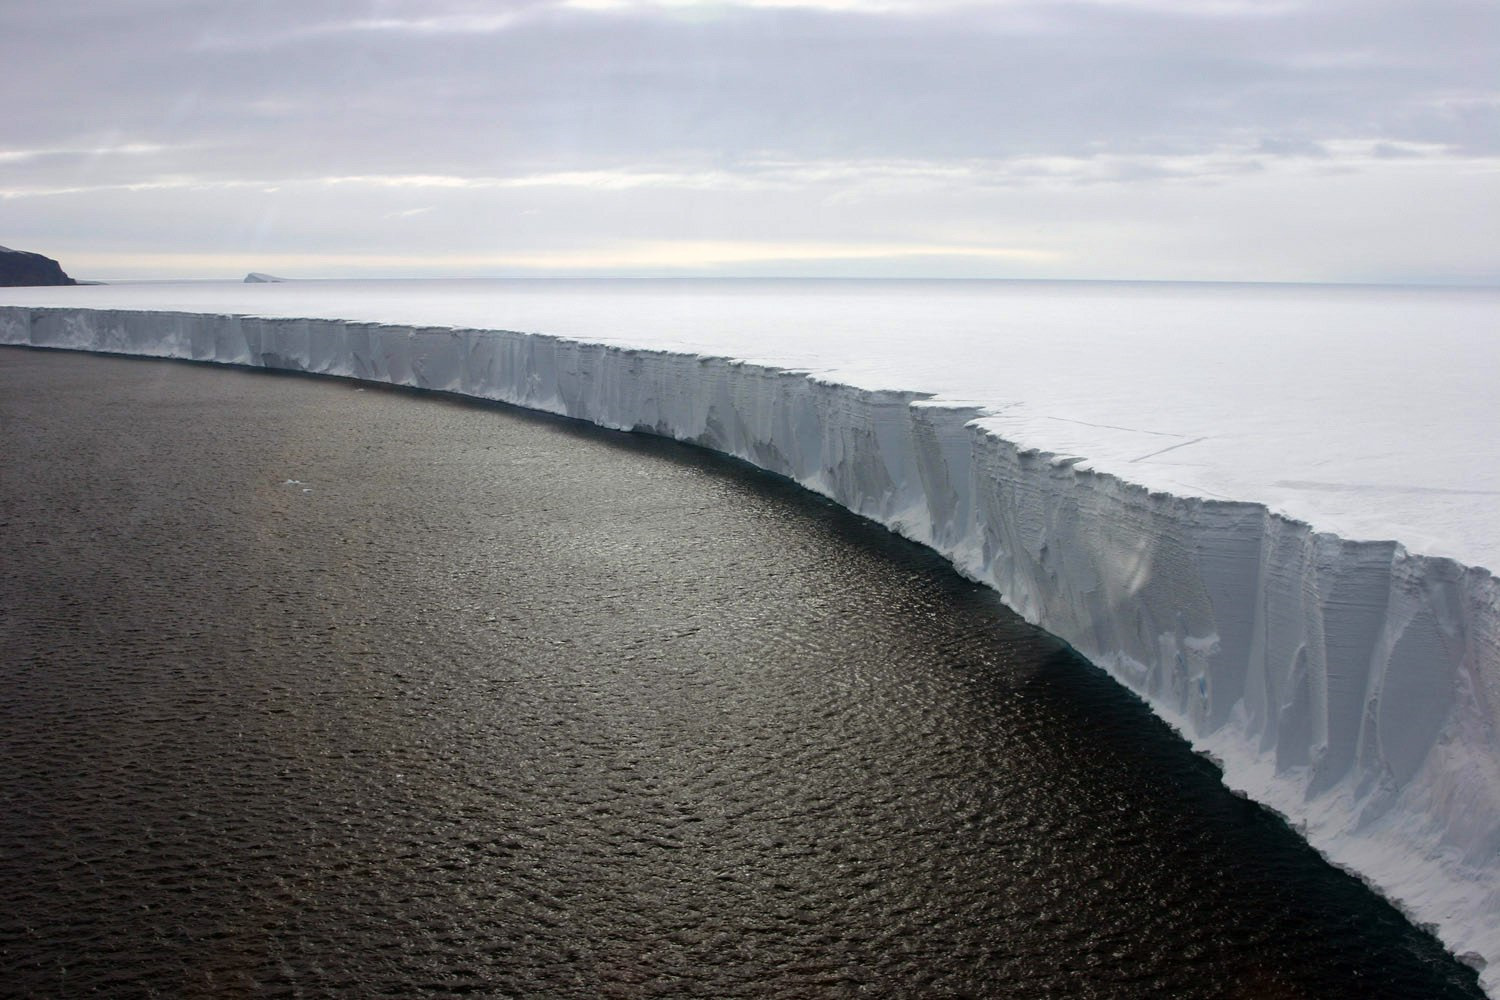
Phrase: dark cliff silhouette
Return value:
(18, 267)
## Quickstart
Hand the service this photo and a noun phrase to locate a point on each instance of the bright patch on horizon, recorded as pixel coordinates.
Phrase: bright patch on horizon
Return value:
(652, 256)
(692, 254)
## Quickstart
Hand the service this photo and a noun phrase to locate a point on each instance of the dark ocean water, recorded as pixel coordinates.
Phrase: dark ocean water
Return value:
(310, 689)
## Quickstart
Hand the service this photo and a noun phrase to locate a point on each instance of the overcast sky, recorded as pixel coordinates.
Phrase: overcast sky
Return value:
(1301, 140)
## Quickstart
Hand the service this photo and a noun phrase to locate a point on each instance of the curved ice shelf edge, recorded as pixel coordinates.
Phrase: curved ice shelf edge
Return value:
(1351, 686)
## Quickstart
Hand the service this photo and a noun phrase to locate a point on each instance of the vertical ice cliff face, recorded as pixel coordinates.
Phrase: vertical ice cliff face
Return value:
(1352, 686)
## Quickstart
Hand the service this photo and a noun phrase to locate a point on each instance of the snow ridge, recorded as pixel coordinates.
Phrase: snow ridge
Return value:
(1354, 687)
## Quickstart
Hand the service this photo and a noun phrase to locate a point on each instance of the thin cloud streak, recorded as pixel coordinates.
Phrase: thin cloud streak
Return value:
(127, 149)
(1335, 156)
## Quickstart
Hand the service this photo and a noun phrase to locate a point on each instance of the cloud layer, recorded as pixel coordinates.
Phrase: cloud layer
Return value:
(1280, 140)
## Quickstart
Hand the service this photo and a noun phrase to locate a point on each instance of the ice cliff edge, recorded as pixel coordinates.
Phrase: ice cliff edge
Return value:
(1353, 686)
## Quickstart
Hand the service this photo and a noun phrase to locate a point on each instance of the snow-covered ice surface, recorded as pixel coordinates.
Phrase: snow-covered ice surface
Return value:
(1272, 511)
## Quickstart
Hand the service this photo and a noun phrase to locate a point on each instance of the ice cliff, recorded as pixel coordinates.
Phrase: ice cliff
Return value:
(1352, 686)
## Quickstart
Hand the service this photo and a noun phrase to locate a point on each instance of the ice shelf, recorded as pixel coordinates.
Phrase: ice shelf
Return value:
(1350, 684)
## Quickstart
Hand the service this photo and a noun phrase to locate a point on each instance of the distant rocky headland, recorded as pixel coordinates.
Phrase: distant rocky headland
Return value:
(19, 267)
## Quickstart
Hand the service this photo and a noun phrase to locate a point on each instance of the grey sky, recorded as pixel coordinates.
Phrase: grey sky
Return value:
(1218, 139)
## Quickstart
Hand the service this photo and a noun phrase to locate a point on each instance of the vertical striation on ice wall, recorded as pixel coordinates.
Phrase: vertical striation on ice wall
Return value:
(1352, 686)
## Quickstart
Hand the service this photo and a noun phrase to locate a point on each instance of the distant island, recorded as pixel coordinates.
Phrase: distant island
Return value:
(256, 278)
(20, 267)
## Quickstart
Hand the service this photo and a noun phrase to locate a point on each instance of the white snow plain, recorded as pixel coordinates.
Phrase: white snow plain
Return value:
(1271, 511)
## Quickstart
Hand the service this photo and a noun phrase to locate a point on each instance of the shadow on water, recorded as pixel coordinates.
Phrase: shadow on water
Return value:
(322, 687)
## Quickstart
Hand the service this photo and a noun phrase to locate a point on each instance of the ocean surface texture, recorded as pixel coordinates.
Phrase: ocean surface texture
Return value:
(316, 688)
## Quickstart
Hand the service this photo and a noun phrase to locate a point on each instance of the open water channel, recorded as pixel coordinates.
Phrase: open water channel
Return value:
(309, 688)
